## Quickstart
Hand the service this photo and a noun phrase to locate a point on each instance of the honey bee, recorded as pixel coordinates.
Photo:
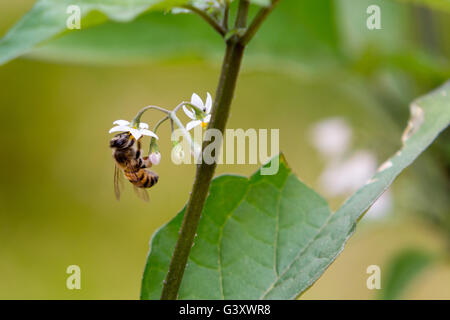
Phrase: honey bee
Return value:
(129, 161)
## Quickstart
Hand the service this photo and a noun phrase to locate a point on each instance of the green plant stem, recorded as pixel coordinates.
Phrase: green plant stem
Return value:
(173, 119)
(192, 144)
(226, 13)
(137, 118)
(208, 18)
(153, 145)
(205, 172)
(160, 122)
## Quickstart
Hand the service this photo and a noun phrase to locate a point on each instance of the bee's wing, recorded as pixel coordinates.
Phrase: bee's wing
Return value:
(141, 193)
(118, 181)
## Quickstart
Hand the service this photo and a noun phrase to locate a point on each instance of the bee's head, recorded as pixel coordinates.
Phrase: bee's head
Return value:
(121, 141)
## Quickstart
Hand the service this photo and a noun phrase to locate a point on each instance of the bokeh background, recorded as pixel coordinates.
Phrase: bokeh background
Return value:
(57, 206)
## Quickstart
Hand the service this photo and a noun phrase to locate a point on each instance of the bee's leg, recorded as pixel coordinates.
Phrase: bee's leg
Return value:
(146, 163)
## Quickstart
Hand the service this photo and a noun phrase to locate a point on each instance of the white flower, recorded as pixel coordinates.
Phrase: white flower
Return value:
(155, 158)
(137, 132)
(191, 113)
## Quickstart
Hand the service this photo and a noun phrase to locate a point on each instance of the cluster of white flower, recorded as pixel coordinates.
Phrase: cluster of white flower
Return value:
(346, 170)
(197, 111)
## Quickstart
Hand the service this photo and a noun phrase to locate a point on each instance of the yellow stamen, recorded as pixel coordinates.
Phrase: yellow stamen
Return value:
(204, 124)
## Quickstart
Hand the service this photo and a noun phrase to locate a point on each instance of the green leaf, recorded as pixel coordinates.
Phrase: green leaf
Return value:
(48, 18)
(157, 36)
(149, 37)
(271, 237)
(250, 231)
(404, 268)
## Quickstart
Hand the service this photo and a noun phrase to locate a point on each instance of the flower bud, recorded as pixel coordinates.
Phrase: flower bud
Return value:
(155, 158)
(178, 153)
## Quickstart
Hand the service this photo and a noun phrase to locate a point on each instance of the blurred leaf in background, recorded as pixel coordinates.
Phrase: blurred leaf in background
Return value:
(48, 18)
(161, 36)
(402, 270)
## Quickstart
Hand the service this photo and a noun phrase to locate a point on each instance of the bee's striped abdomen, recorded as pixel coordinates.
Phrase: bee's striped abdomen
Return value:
(142, 178)
(152, 178)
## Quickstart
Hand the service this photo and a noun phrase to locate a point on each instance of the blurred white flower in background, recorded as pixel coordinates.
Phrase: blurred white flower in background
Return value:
(345, 170)
(345, 177)
(331, 137)
(381, 207)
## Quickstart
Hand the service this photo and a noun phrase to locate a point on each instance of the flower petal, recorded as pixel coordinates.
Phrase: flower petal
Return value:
(119, 128)
(136, 133)
(189, 113)
(207, 118)
(121, 122)
(143, 125)
(193, 124)
(208, 103)
(146, 132)
(197, 101)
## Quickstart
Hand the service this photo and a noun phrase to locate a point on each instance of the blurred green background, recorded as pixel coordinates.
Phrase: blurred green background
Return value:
(57, 206)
